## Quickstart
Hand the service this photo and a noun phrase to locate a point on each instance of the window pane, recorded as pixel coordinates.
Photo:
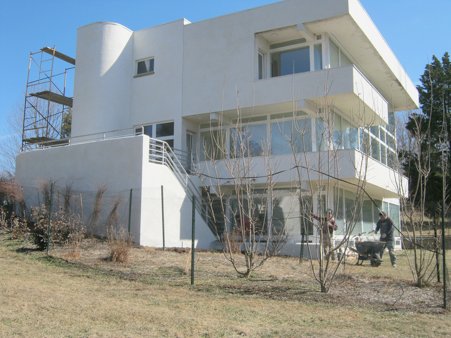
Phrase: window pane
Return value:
(375, 149)
(382, 135)
(248, 141)
(337, 136)
(260, 66)
(352, 212)
(212, 145)
(391, 122)
(290, 62)
(303, 133)
(142, 67)
(306, 207)
(390, 141)
(281, 137)
(251, 211)
(318, 57)
(367, 211)
(383, 154)
(290, 136)
(334, 55)
(350, 135)
(338, 209)
(393, 213)
(148, 130)
(165, 129)
(321, 137)
(151, 63)
(139, 131)
(391, 159)
(364, 141)
(170, 142)
(145, 66)
(375, 130)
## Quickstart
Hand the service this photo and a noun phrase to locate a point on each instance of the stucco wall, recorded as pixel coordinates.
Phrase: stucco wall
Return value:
(119, 165)
(103, 76)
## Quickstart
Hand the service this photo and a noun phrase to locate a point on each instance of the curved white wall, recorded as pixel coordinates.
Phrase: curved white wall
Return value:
(104, 72)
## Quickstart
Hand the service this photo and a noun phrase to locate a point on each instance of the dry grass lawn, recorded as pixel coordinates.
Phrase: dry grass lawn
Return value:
(63, 295)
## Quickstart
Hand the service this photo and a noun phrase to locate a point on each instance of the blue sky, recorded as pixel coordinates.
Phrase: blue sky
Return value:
(415, 30)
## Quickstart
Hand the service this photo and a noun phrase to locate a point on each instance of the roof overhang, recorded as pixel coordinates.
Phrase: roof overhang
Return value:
(358, 35)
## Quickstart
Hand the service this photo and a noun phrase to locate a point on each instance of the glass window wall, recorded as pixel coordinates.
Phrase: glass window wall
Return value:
(290, 62)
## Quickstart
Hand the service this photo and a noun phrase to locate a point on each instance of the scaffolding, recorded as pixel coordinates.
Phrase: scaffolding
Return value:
(48, 99)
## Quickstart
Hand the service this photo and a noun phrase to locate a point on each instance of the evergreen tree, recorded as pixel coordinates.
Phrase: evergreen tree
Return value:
(432, 129)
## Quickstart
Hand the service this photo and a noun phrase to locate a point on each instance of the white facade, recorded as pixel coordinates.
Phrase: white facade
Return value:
(172, 80)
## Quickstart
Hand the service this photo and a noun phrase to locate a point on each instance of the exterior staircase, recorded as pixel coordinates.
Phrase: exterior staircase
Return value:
(161, 153)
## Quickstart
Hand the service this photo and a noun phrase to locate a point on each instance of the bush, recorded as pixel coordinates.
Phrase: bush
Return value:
(120, 244)
(19, 228)
(64, 228)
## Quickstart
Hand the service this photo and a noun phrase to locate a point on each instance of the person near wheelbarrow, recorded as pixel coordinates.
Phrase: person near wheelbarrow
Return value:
(387, 228)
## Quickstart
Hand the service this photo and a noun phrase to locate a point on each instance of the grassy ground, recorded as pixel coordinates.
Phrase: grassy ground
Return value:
(60, 296)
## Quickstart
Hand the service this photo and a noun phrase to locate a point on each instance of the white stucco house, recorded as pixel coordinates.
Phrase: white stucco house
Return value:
(300, 63)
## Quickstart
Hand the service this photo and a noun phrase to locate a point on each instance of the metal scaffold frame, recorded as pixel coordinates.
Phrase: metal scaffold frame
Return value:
(47, 98)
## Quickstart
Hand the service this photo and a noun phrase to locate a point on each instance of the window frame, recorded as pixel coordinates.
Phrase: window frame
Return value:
(289, 48)
(150, 66)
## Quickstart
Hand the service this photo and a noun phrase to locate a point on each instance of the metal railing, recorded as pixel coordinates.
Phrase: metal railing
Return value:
(161, 153)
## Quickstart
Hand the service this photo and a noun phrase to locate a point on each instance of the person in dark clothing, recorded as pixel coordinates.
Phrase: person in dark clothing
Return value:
(387, 228)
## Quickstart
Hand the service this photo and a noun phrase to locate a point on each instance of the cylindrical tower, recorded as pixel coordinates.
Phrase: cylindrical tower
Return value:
(103, 74)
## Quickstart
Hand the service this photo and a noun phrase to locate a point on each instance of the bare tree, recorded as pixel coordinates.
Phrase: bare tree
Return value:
(319, 175)
(11, 143)
(239, 195)
(417, 226)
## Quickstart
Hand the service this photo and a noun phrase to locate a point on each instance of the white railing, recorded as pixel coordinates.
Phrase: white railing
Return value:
(161, 153)
(88, 138)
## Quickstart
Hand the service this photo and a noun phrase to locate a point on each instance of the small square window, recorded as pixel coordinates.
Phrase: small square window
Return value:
(145, 66)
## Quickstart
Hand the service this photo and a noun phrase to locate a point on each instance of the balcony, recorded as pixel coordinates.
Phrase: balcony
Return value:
(346, 168)
(345, 88)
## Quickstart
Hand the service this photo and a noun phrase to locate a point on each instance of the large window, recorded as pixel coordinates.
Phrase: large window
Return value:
(283, 133)
(289, 136)
(379, 143)
(337, 57)
(213, 145)
(278, 212)
(290, 61)
(248, 141)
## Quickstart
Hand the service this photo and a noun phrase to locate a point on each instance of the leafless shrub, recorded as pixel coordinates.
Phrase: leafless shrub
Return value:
(113, 217)
(19, 228)
(67, 194)
(97, 208)
(11, 190)
(119, 243)
(58, 228)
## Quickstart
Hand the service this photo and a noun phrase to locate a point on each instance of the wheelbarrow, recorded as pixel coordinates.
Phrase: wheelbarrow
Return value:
(369, 250)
